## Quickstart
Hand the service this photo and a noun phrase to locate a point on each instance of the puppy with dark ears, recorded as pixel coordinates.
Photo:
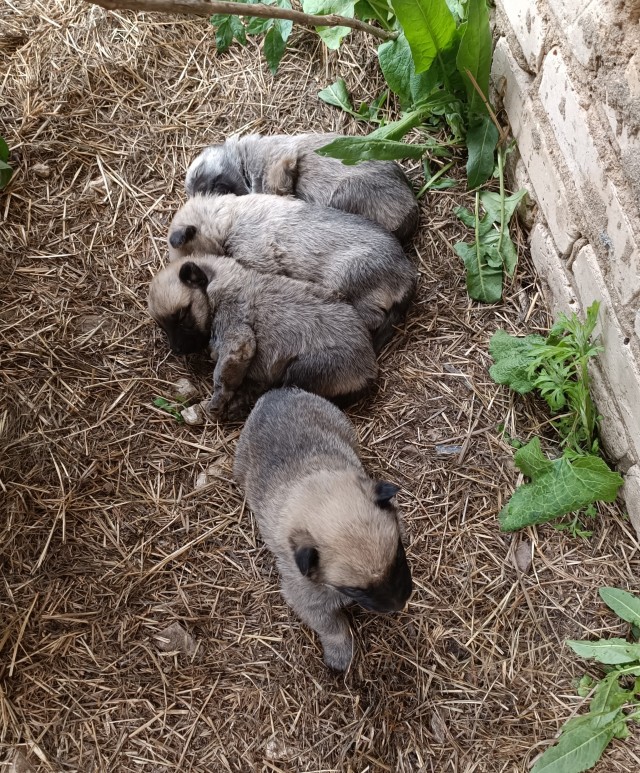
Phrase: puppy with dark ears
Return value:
(289, 166)
(356, 260)
(267, 331)
(334, 531)
(178, 302)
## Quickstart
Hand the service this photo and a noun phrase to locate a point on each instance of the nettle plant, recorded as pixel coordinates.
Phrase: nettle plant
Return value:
(437, 61)
(557, 369)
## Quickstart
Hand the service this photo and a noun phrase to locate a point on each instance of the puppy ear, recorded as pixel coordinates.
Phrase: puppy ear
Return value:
(305, 553)
(181, 236)
(385, 492)
(193, 276)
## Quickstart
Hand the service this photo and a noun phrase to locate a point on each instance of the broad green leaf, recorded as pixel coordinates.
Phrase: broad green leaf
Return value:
(337, 95)
(581, 746)
(624, 604)
(508, 254)
(443, 184)
(557, 487)
(256, 25)
(484, 282)
(429, 26)
(609, 695)
(610, 651)
(379, 10)
(474, 54)
(585, 685)
(457, 8)
(467, 217)
(4, 150)
(331, 36)
(512, 358)
(6, 172)
(491, 202)
(275, 43)
(482, 137)
(350, 150)
(397, 67)
(227, 28)
(396, 130)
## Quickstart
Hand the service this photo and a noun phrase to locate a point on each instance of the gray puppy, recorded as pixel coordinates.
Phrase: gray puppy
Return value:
(333, 530)
(283, 165)
(355, 259)
(265, 331)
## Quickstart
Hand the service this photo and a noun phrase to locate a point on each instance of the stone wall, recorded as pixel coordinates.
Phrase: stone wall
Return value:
(567, 73)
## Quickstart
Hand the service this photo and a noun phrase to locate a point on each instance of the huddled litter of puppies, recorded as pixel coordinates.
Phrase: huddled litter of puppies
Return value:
(289, 267)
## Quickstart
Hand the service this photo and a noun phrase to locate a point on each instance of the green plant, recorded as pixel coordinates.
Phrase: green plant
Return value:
(169, 406)
(437, 61)
(557, 368)
(438, 65)
(615, 699)
(5, 170)
(492, 252)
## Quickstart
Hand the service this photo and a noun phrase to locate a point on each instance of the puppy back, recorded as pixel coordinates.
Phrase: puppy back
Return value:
(288, 431)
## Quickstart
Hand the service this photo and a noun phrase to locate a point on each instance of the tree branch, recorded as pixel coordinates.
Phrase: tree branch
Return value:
(200, 8)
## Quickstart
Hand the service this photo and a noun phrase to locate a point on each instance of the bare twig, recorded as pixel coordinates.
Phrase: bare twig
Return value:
(200, 8)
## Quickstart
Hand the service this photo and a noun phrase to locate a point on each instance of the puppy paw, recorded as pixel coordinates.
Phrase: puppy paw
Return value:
(338, 656)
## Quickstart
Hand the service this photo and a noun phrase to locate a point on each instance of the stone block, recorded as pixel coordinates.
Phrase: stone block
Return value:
(550, 268)
(585, 24)
(631, 496)
(568, 116)
(612, 432)
(528, 25)
(514, 84)
(617, 360)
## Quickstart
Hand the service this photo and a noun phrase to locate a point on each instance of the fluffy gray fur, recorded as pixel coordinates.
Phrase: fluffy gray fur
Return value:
(378, 190)
(355, 259)
(334, 531)
(270, 331)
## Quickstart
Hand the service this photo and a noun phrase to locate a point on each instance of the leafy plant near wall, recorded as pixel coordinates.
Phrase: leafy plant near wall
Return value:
(615, 699)
(557, 368)
(5, 170)
(438, 65)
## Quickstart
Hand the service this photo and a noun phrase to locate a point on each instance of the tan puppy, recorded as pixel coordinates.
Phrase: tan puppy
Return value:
(265, 331)
(358, 261)
(377, 190)
(333, 530)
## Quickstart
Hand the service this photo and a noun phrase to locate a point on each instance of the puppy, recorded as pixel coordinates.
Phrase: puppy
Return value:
(333, 530)
(355, 259)
(377, 190)
(265, 331)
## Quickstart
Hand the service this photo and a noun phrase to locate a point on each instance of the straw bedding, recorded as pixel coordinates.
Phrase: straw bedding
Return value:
(141, 628)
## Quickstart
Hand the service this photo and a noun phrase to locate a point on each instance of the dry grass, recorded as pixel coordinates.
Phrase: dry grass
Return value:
(105, 543)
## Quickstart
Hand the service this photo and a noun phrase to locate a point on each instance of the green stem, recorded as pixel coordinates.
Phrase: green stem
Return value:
(433, 179)
(502, 206)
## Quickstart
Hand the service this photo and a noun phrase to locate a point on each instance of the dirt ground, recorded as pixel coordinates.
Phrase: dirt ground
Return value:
(105, 542)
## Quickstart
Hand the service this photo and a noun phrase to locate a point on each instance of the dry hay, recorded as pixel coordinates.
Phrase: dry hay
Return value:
(142, 628)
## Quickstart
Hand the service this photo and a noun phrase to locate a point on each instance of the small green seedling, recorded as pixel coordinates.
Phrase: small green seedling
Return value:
(5, 170)
(169, 406)
(615, 699)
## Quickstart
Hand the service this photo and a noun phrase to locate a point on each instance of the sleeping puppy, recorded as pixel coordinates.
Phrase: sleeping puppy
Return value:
(333, 530)
(288, 166)
(265, 331)
(355, 259)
